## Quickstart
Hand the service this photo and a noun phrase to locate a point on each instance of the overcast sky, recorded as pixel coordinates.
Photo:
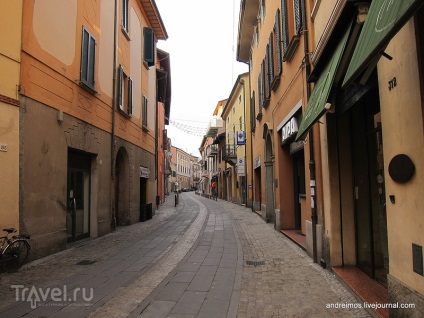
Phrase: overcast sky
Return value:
(202, 46)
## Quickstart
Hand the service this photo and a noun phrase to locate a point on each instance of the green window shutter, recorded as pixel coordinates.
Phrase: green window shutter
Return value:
(144, 112)
(252, 112)
(271, 59)
(84, 55)
(121, 87)
(91, 60)
(260, 93)
(149, 46)
(266, 73)
(298, 16)
(279, 57)
(284, 26)
(125, 14)
(130, 96)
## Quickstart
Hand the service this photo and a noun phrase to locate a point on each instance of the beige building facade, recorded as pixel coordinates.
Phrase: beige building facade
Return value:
(88, 133)
(371, 168)
(338, 132)
(10, 49)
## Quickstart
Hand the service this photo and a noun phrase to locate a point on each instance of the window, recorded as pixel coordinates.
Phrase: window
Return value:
(263, 10)
(144, 113)
(284, 26)
(278, 56)
(125, 92)
(125, 15)
(252, 112)
(149, 46)
(291, 26)
(88, 59)
(297, 7)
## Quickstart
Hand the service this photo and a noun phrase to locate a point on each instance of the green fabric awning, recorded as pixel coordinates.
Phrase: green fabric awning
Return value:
(321, 92)
(385, 18)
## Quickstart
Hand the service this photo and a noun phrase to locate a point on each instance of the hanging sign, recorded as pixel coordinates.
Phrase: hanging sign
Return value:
(241, 138)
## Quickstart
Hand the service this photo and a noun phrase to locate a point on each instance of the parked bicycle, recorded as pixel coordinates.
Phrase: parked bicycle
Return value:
(13, 251)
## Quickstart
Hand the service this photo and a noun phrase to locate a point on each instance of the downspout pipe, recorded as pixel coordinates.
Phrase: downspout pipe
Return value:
(312, 167)
(114, 103)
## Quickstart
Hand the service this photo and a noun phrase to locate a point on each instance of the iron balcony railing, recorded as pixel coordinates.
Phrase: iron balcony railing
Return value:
(212, 150)
(229, 151)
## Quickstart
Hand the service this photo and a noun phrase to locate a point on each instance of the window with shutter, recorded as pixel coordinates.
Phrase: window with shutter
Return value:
(144, 112)
(129, 110)
(252, 112)
(125, 89)
(278, 51)
(284, 26)
(149, 46)
(125, 15)
(121, 88)
(271, 59)
(88, 58)
(260, 94)
(297, 16)
(266, 79)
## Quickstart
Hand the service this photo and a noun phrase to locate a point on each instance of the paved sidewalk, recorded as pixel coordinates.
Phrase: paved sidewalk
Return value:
(62, 268)
(288, 284)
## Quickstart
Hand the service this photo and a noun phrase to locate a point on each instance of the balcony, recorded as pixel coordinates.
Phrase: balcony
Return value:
(205, 173)
(213, 126)
(212, 150)
(229, 154)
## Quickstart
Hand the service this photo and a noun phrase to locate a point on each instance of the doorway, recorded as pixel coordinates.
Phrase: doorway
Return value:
(78, 196)
(369, 190)
(269, 180)
(299, 186)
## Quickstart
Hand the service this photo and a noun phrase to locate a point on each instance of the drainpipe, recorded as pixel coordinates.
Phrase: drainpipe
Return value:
(312, 168)
(112, 146)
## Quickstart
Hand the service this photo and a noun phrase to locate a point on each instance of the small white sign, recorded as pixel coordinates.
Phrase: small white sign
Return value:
(3, 147)
(289, 129)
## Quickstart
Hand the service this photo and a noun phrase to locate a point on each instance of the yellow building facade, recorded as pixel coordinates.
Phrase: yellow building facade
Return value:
(238, 148)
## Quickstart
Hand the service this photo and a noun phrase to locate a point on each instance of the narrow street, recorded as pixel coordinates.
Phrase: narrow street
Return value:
(203, 258)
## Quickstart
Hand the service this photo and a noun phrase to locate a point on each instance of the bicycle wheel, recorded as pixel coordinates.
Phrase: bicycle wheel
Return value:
(14, 255)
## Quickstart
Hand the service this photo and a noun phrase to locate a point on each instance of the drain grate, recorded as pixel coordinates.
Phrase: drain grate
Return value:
(86, 262)
(255, 262)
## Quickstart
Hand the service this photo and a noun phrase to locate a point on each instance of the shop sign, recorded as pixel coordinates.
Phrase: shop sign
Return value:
(144, 172)
(241, 138)
(290, 129)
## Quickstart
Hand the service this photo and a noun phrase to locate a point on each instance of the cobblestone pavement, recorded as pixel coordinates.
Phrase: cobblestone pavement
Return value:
(188, 261)
(288, 284)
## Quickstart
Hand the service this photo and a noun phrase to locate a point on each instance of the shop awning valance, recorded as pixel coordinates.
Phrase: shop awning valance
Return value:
(321, 92)
(385, 18)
